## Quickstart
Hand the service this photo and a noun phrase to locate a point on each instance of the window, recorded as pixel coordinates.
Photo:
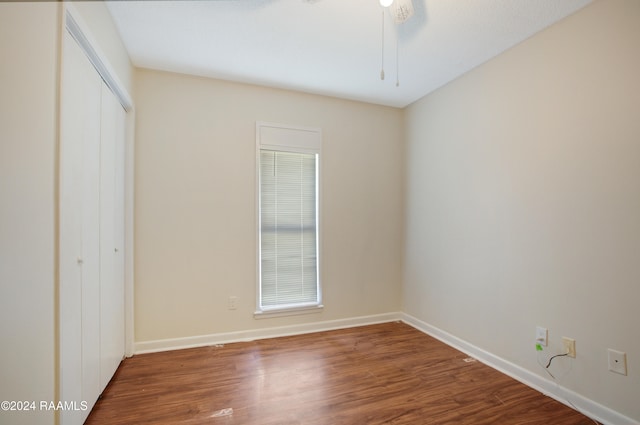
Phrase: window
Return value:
(288, 219)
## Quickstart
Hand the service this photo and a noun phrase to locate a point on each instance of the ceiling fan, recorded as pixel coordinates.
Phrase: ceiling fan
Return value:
(401, 11)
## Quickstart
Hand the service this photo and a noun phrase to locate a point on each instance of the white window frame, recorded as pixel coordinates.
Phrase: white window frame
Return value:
(287, 138)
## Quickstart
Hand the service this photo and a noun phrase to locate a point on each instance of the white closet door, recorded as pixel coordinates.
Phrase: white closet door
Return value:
(91, 233)
(111, 236)
(79, 231)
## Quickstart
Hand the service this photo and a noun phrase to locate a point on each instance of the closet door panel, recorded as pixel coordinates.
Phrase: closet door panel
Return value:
(111, 237)
(91, 261)
(79, 234)
(75, 87)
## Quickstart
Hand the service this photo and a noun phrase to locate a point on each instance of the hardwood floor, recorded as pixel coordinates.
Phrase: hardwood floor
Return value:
(381, 374)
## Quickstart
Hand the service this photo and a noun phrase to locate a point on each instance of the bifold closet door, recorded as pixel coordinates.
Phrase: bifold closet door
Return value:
(92, 130)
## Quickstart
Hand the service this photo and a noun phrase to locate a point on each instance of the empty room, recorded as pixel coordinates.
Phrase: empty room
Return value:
(320, 212)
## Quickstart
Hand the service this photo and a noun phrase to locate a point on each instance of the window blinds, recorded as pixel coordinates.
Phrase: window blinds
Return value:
(288, 229)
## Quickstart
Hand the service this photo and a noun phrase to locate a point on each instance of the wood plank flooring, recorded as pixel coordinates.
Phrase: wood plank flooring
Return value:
(381, 374)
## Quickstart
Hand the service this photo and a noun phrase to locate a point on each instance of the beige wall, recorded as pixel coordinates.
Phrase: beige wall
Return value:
(196, 204)
(28, 128)
(524, 202)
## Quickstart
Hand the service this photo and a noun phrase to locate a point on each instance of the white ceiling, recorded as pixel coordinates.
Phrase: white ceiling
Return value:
(329, 47)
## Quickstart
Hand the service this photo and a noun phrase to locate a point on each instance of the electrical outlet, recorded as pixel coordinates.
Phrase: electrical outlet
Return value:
(569, 346)
(233, 303)
(542, 335)
(617, 361)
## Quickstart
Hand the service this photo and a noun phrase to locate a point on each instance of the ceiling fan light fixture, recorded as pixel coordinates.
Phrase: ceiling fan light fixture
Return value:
(386, 3)
(401, 11)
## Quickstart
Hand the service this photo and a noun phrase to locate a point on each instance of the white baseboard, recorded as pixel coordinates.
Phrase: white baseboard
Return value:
(586, 406)
(250, 335)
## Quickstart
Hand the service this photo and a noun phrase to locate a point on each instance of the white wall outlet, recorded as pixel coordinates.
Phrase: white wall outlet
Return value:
(617, 361)
(233, 303)
(542, 336)
(569, 345)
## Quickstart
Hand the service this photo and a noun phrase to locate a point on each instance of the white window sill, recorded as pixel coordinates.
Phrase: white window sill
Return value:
(291, 311)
